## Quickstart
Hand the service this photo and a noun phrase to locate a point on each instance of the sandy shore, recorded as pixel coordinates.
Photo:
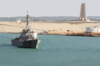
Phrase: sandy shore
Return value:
(57, 28)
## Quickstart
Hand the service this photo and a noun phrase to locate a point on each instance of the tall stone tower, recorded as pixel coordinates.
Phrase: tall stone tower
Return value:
(82, 13)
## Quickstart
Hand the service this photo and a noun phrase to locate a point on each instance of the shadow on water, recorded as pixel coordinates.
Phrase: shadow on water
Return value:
(6, 45)
(26, 48)
(11, 46)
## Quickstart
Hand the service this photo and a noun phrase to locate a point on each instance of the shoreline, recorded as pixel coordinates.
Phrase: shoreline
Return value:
(52, 28)
(82, 34)
(36, 32)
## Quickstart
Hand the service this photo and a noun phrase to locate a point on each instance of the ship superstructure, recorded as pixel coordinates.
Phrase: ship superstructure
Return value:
(28, 38)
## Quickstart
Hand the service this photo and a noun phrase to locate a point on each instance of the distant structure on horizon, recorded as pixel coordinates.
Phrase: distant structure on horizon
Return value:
(19, 20)
(82, 13)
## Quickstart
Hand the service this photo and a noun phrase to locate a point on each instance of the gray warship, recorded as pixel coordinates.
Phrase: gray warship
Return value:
(27, 39)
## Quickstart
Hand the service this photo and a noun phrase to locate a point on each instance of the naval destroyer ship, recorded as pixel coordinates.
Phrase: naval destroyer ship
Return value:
(27, 39)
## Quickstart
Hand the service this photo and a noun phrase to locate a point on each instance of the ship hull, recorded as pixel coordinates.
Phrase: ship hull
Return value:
(26, 44)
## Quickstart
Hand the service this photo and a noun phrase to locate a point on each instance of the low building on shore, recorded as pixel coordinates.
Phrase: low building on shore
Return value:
(92, 29)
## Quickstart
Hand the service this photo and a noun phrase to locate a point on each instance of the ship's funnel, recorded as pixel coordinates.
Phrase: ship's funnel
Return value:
(82, 13)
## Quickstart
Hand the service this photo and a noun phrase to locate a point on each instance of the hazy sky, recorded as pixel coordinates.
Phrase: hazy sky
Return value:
(10, 8)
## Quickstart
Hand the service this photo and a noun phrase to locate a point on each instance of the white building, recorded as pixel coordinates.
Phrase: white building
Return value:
(93, 29)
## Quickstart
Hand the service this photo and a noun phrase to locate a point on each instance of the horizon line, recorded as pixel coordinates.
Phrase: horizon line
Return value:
(49, 16)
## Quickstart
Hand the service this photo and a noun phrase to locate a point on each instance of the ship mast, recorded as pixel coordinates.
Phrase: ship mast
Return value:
(27, 25)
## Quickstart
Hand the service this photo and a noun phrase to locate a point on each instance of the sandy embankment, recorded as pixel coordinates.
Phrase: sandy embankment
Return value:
(54, 28)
